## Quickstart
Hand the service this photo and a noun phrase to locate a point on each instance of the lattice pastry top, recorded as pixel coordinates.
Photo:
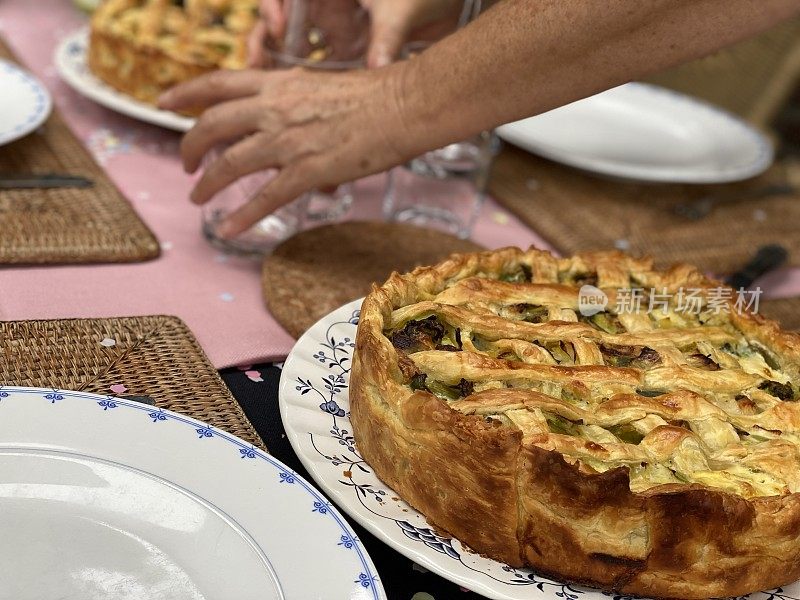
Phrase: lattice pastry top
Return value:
(687, 392)
(652, 452)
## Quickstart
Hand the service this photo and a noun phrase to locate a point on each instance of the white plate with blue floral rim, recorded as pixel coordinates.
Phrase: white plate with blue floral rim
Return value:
(24, 103)
(315, 411)
(71, 63)
(106, 498)
(648, 133)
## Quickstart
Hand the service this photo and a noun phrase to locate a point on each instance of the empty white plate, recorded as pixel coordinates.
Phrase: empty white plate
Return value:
(648, 133)
(24, 102)
(102, 498)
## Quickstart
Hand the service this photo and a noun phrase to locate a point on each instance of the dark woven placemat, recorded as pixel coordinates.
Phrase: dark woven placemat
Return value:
(752, 78)
(91, 225)
(155, 357)
(576, 212)
(784, 310)
(319, 270)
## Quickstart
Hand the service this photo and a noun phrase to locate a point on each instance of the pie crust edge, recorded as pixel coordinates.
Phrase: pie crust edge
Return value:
(473, 480)
(136, 65)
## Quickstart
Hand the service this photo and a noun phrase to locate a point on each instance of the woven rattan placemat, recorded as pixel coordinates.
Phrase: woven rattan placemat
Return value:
(90, 225)
(784, 310)
(576, 212)
(752, 78)
(155, 356)
(319, 270)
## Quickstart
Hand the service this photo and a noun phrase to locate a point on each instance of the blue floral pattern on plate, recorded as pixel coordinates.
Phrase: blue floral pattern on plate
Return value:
(25, 89)
(365, 576)
(315, 411)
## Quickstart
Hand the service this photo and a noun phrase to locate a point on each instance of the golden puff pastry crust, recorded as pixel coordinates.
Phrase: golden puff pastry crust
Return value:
(144, 47)
(654, 452)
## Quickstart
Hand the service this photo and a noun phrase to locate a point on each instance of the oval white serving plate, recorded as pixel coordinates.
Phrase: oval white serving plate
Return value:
(70, 60)
(315, 411)
(647, 133)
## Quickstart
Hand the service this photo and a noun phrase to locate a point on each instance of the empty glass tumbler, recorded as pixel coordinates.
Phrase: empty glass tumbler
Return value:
(443, 189)
(262, 237)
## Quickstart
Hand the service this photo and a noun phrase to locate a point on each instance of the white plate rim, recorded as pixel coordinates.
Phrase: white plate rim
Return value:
(764, 149)
(370, 580)
(39, 112)
(70, 62)
(421, 545)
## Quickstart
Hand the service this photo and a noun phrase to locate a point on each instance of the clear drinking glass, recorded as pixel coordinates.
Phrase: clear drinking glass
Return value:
(330, 35)
(335, 32)
(443, 189)
(262, 237)
(324, 206)
(324, 35)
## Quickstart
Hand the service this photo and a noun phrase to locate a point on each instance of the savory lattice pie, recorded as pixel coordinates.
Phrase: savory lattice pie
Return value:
(143, 47)
(651, 452)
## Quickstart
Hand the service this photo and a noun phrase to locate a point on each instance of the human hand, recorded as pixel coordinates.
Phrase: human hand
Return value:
(393, 23)
(317, 129)
(270, 26)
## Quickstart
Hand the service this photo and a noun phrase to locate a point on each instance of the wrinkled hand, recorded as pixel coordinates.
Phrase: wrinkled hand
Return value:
(317, 129)
(393, 23)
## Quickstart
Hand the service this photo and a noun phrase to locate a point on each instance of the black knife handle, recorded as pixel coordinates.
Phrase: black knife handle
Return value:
(766, 259)
(43, 181)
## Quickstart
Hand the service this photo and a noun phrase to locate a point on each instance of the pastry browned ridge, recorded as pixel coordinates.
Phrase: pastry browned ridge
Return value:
(144, 47)
(650, 452)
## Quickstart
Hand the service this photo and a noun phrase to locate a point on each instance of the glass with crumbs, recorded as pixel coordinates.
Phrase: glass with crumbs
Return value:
(318, 32)
(328, 35)
(324, 35)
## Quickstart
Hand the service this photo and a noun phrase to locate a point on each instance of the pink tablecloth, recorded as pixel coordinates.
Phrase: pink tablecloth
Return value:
(218, 297)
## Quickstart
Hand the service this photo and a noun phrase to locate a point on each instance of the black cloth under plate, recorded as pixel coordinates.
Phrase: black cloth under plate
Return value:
(401, 578)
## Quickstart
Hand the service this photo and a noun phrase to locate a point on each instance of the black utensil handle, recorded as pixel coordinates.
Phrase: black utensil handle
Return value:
(42, 181)
(766, 259)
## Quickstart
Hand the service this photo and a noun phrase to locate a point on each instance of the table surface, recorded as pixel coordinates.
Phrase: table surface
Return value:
(218, 296)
